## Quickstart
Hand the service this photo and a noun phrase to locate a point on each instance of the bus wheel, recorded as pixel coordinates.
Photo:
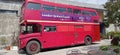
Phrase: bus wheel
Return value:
(87, 40)
(33, 47)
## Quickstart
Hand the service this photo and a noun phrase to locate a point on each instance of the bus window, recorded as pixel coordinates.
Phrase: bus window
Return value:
(85, 12)
(60, 9)
(69, 10)
(49, 28)
(33, 6)
(76, 11)
(92, 13)
(49, 8)
(31, 28)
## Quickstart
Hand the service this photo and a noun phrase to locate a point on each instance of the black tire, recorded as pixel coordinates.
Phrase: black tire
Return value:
(87, 40)
(33, 47)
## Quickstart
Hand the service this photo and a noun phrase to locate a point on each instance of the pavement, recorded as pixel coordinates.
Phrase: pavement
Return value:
(62, 50)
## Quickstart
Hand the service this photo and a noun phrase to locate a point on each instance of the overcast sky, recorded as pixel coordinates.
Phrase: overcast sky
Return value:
(99, 2)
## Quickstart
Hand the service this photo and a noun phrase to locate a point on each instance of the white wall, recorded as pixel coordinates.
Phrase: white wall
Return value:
(111, 28)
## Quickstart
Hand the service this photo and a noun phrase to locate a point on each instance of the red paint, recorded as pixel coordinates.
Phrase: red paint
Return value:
(67, 32)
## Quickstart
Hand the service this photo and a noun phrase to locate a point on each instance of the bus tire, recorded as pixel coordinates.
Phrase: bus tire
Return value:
(88, 40)
(33, 47)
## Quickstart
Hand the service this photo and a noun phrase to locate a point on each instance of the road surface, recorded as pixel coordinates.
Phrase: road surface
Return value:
(63, 50)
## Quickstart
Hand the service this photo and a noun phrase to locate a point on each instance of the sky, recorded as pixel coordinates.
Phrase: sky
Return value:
(98, 2)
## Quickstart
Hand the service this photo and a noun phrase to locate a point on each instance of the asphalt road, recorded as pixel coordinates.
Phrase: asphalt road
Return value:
(63, 50)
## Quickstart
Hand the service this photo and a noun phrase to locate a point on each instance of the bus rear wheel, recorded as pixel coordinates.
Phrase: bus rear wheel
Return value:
(87, 40)
(33, 47)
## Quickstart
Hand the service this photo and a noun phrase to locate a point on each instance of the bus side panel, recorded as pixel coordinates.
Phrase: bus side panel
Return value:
(88, 31)
(96, 33)
(79, 34)
(66, 32)
(63, 36)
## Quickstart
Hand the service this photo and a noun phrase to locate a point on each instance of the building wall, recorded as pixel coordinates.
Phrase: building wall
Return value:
(101, 14)
(9, 22)
(10, 6)
(9, 27)
(8, 18)
(112, 28)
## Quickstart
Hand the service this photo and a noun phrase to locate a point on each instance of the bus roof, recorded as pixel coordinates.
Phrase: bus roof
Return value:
(60, 5)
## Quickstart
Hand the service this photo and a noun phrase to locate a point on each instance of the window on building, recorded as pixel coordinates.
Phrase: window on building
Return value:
(60, 9)
(69, 10)
(49, 8)
(49, 28)
(33, 6)
(76, 11)
(85, 12)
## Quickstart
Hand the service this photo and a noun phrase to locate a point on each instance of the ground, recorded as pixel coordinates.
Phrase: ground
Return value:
(63, 50)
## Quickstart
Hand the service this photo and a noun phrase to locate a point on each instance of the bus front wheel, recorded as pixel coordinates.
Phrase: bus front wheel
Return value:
(88, 40)
(33, 47)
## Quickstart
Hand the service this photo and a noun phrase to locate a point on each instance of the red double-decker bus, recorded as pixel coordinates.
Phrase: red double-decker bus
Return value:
(49, 25)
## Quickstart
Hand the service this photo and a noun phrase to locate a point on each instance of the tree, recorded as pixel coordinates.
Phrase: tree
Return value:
(113, 12)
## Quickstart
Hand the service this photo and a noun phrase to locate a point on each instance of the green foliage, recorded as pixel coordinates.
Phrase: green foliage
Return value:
(115, 37)
(116, 50)
(113, 13)
(3, 40)
(114, 47)
(107, 47)
(114, 34)
(106, 24)
(103, 36)
(104, 48)
(110, 33)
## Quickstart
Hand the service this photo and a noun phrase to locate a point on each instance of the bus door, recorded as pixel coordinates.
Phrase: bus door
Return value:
(78, 34)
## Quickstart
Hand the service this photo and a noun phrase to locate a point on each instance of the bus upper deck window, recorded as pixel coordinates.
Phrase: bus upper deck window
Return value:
(33, 6)
(85, 12)
(76, 11)
(93, 13)
(69, 10)
(49, 8)
(60, 9)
